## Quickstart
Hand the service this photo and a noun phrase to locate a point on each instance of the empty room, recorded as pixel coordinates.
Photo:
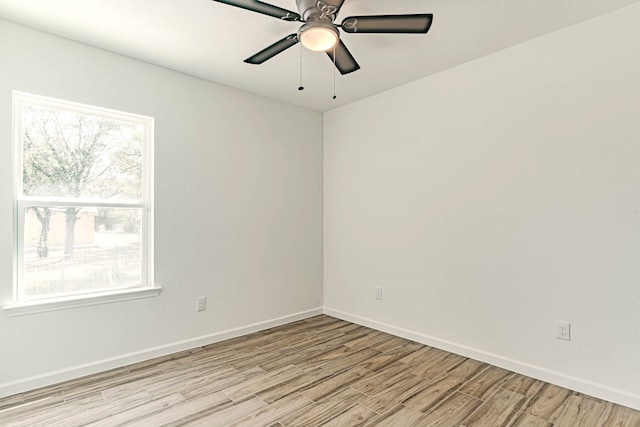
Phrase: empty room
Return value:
(336, 212)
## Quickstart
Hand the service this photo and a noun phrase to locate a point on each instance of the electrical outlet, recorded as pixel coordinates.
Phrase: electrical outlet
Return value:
(563, 330)
(201, 303)
(378, 293)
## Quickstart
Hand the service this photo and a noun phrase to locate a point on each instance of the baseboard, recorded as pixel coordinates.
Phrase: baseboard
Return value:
(600, 391)
(50, 378)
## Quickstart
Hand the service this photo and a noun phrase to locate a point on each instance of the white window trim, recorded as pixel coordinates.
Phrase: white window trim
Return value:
(84, 300)
(148, 288)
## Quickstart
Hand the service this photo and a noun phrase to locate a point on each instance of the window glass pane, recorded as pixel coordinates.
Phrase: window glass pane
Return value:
(71, 250)
(69, 154)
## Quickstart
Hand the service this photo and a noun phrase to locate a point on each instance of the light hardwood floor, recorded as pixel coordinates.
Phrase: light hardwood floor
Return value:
(318, 371)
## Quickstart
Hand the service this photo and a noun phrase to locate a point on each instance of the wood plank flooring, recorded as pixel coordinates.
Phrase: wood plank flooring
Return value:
(318, 371)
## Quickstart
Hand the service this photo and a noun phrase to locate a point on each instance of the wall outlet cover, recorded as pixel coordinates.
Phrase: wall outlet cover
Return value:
(563, 330)
(201, 303)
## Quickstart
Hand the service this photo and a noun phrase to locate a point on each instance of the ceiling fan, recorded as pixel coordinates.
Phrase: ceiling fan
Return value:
(320, 33)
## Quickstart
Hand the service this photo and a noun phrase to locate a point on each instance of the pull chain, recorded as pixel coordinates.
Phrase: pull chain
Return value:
(300, 87)
(334, 71)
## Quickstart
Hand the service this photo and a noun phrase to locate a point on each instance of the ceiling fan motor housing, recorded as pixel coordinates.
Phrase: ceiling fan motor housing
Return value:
(318, 33)
(313, 10)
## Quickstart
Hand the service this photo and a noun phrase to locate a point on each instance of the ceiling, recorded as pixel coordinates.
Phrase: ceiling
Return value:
(210, 40)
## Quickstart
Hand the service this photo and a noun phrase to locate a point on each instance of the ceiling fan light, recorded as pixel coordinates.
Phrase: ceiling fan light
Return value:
(318, 38)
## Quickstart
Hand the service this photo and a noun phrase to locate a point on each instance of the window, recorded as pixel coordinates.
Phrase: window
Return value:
(83, 200)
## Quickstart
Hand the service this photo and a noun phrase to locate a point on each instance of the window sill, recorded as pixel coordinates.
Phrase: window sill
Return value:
(42, 306)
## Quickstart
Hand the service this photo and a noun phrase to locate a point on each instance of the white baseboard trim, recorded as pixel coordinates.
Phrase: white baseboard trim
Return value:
(50, 378)
(591, 388)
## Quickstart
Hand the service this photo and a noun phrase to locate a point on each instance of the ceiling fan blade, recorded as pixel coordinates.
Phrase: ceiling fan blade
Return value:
(264, 8)
(271, 51)
(400, 24)
(345, 62)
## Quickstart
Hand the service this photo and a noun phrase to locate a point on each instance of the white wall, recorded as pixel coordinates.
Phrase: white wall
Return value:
(238, 211)
(495, 198)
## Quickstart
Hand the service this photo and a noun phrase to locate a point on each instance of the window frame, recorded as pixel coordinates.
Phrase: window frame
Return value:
(22, 305)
